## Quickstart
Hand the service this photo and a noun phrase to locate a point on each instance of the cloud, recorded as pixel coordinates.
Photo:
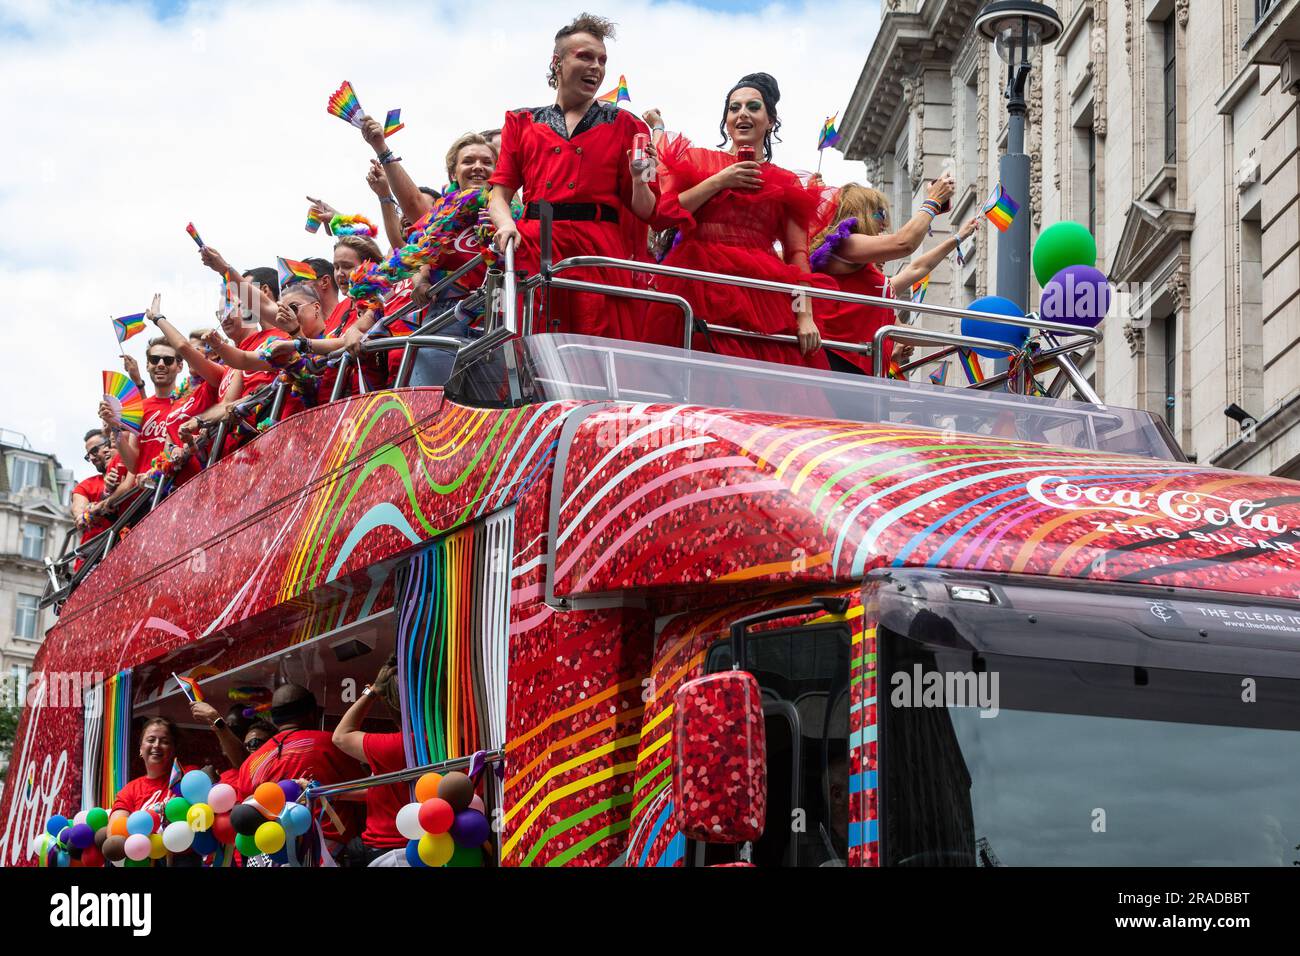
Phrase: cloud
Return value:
(128, 120)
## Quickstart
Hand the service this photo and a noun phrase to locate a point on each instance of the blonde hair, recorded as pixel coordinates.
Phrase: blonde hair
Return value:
(860, 202)
(365, 247)
(466, 139)
(199, 334)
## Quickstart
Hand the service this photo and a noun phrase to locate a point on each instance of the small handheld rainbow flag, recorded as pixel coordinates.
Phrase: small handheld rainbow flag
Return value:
(895, 371)
(618, 94)
(939, 374)
(1000, 208)
(393, 122)
(174, 781)
(829, 135)
(194, 234)
(128, 325)
(125, 400)
(970, 364)
(343, 104)
(291, 270)
(189, 687)
(919, 288)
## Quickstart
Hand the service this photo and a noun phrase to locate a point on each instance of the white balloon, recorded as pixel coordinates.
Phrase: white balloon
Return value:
(80, 817)
(178, 836)
(408, 822)
(222, 797)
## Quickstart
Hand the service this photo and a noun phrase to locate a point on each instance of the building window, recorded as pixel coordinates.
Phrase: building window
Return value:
(1091, 137)
(1170, 324)
(25, 473)
(33, 541)
(1262, 8)
(27, 616)
(1171, 90)
(17, 695)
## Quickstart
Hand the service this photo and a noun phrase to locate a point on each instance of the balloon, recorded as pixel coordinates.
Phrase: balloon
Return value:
(100, 836)
(91, 856)
(426, 788)
(997, 331)
(280, 857)
(157, 849)
(246, 818)
(457, 789)
(56, 824)
(139, 823)
(1061, 245)
(63, 859)
(470, 828)
(270, 797)
(204, 844)
(200, 817)
(477, 804)
(80, 817)
(296, 819)
(221, 798)
(466, 856)
(435, 850)
(137, 846)
(223, 829)
(62, 838)
(196, 786)
(117, 826)
(408, 822)
(1079, 295)
(81, 836)
(292, 791)
(413, 854)
(436, 816)
(246, 845)
(130, 862)
(178, 837)
(114, 849)
(97, 817)
(177, 808)
(269, 837)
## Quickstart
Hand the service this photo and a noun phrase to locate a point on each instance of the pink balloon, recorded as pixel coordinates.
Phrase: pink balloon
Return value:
(137, 847)
(222, 797)
(477, 804)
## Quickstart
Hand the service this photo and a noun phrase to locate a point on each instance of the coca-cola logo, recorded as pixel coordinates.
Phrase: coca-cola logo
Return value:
(467, 241)
(154, 429)
(1186, 507)
(37, 783)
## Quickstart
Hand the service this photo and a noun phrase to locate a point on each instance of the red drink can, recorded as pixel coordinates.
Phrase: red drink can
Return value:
(745, 154)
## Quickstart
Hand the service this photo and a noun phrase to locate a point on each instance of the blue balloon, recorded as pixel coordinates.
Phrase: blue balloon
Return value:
(139, 822)
(81, 836)
(63, 859)
(296, 819)
(413, 854)
(56, 824)
(281, 856)
(195, 786)
(204, 843)
(1015, 335)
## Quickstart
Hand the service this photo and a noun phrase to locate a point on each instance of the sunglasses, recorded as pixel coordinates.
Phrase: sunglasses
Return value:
(168, 360)
(255, 744)
(90, 455)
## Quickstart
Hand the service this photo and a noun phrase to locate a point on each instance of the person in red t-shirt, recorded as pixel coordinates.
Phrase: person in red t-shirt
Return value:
(139, 451)
(384, 753)
(297, 752)
(237, 741)
(157, 751)
(90, 492)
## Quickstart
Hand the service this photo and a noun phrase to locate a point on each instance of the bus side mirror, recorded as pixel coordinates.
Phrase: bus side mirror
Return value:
(720, 758)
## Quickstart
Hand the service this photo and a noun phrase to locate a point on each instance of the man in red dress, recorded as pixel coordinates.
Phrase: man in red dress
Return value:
(577, 155)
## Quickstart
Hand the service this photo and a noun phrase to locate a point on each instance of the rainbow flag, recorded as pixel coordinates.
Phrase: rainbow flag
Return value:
(116, 741)
(174, 781)
(1000, 208)
(895, 371)
(393, 122)
(618, 94)
(970, 364)
(128, 325)
(194, 234)
(125, 399)
(939, 374)
(291, 270)
(31, 780)
(189, 687)
(919, 288)
(343, 104)
(829, 135)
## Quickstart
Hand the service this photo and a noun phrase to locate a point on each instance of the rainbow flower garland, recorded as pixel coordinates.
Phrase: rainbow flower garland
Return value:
(425, 244)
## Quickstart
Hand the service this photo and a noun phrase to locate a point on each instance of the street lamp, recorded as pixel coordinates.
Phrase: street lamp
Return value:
(1017, 28)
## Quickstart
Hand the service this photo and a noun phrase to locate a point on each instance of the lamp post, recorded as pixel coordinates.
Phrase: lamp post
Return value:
(1017, 28)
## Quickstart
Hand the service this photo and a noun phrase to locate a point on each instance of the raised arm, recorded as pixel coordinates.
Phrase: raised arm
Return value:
(248, 291)
(207, 369)
(378, 183)
(236, 358)
(862, 249)
(920, 267)
(348, 735)
(413, 202)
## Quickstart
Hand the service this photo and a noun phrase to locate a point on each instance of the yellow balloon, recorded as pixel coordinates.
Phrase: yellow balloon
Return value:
(436, 850)
(156, 849)
(200, 817)
(269, 837)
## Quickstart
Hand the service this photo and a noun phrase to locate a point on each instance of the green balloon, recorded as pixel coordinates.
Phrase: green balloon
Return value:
(97, 818)
(1061, 245)
(177, 809)
(130, 862)
(465, 856)
(246, 845)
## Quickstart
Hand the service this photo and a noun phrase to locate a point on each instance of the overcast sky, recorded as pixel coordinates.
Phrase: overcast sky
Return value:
(125, 121)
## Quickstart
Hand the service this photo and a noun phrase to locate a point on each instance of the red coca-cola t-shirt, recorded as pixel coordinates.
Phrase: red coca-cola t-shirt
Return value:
(255, 380)
(144, 793)
(197, 401)
(152, 439)
(385, 754)
(292, 754)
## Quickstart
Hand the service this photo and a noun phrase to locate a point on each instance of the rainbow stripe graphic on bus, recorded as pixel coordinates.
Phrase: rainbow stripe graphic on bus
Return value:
(116, 754)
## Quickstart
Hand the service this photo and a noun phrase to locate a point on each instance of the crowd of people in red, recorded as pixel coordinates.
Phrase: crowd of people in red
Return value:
(617, 185)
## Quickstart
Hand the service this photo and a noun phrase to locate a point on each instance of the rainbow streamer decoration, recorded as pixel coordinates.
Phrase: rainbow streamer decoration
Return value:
(1000, 208)
(919, 288)
(393, 122)
(618, 94)
(128, 325)
(194, 234)
(970, 364)
(829, 135)
(116, 762)
(291, 270)
(189, 686)
(125, 399)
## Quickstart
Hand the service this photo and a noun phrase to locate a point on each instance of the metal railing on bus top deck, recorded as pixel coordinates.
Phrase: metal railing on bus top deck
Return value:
(501, 293)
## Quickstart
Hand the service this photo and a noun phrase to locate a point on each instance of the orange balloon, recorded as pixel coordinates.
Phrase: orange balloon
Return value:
(117, 826)
(271, 797)
(426, 788)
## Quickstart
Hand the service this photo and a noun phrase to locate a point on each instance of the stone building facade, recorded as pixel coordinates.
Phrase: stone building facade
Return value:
(1169, 127)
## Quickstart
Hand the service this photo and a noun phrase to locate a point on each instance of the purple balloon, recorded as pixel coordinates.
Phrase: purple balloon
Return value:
(291, 790)
(1077, 295)
(469, 829)
(81, 836)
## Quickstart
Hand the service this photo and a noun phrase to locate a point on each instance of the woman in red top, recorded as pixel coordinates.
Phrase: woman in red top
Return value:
(577, 155)
(852, 247)
(157, 751)
(731, 214)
